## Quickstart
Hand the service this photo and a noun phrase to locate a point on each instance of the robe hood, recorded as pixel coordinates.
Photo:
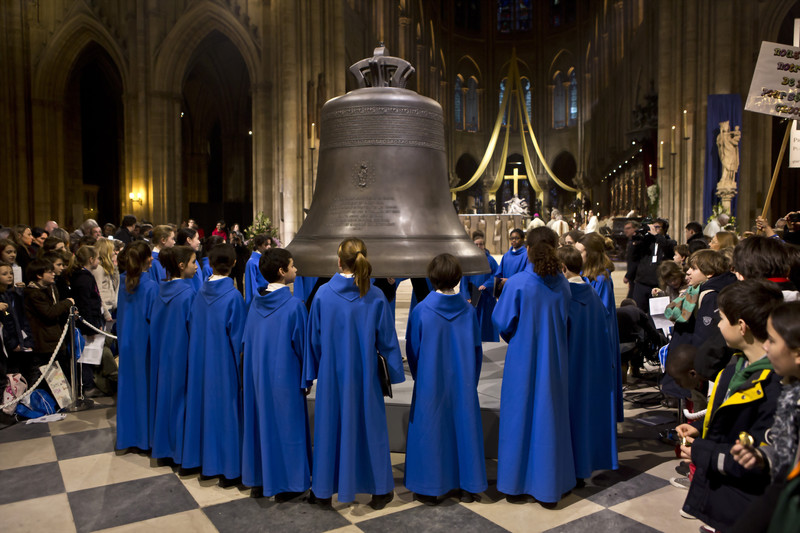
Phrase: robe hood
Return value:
(268, 303)
(448, 306)
(344, 287)
(169, 290)
(581, 292)
(214, 290)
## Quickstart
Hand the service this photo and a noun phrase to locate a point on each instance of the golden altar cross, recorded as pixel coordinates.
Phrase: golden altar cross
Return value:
(516, 177)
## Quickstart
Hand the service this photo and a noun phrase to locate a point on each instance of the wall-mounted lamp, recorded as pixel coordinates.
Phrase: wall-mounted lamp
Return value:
(136, 198)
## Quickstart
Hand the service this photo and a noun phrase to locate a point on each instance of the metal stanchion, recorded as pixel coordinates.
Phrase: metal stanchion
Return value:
(79, 403)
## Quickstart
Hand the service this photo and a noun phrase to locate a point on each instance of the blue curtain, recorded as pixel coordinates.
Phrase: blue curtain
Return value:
(721, 107)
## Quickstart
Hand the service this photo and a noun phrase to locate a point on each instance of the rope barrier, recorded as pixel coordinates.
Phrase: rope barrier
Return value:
(109, 335)
(46, 370)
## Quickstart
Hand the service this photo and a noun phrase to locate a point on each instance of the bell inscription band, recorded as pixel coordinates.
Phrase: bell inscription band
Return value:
(383, 178)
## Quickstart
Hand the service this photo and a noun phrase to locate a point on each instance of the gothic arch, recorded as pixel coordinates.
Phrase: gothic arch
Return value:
(177, 49)
(563, 60)
(66, 46)
(466, 66)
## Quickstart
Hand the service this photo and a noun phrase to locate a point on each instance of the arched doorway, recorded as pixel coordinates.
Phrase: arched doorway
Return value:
(94, 149)
(524, 189)
(565, 167)
(216, 133)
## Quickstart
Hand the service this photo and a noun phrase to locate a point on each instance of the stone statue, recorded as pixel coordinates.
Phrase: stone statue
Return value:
(728, 146)
(516, 206)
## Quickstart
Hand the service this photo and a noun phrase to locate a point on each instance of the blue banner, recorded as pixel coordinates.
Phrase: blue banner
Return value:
(721, 107)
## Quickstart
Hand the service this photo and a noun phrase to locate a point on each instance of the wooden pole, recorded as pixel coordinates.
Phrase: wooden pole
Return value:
(777, 168)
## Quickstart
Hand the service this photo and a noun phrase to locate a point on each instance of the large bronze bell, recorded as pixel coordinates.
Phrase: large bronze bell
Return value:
(383, 178)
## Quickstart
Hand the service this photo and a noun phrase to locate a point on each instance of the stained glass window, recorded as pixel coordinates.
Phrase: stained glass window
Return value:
(559, 102)
(471, 115)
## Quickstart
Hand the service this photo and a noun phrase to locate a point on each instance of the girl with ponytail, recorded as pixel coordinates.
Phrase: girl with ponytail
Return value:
(134, 311)
(349, 324)
(535, 452)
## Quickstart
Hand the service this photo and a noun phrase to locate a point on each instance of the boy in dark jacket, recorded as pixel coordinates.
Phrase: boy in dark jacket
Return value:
(744, 399)
(46, 314)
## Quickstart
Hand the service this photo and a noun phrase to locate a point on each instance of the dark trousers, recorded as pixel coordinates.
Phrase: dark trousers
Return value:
(641, 294)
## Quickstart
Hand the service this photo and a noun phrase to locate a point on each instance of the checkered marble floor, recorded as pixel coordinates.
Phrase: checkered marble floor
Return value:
(66, 476)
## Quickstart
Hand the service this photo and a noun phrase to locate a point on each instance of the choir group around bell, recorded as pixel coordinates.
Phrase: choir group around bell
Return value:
(211, 380)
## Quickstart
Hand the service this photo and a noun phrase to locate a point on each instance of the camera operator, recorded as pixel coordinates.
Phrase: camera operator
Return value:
(651, 246)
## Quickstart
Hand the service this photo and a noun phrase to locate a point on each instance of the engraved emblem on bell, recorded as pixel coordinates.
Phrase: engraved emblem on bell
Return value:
(403, 212)
(362, 177)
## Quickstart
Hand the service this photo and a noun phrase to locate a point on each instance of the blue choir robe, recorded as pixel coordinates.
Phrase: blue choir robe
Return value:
(276, 448)
(134, 313)
(444, 448)
(213, 431)
(157, 271)
(206, 267)
(253, 280)
(169, 339)
(197, 280)
(487, 300)
(535, 444)
(592, 401)
(605, 290)
(513, 261)
(351, 440)
(303, 286)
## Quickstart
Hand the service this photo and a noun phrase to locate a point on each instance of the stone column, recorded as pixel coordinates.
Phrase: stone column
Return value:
(164, 197)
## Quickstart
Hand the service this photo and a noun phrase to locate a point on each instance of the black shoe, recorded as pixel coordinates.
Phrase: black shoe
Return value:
(379, 501)
(469, 497)
(283, 497)
(683, 468)
(519, 499)
(426, 500)
(322, 503)
(580, 483)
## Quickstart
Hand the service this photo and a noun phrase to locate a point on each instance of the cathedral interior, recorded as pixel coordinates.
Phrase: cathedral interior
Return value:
(210, 109)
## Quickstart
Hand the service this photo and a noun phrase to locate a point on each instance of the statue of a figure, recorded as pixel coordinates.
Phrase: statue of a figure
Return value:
(728, 146)
(516, 206)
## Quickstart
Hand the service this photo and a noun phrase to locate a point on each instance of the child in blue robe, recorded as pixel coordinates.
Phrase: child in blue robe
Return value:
(444, 448)
(513, 261)
(253, 279)
(163, 237)
(137, 295)
(169, 340)
(484, 283)
(597, 268)
(190, 238)
(213, 434)
(535, 445)
(592, 398)
(349, 323)
(276, 448)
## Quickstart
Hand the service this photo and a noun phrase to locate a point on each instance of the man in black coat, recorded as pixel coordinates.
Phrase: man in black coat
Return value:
(694, 237)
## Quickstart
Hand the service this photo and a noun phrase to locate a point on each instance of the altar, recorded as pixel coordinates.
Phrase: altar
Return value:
(397, 407)
(495, 227)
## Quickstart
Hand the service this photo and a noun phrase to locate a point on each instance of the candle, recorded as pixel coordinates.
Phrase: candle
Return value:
(661, 155)
(672, 141)
(685, 125)
(313, 135)
(650, 170)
